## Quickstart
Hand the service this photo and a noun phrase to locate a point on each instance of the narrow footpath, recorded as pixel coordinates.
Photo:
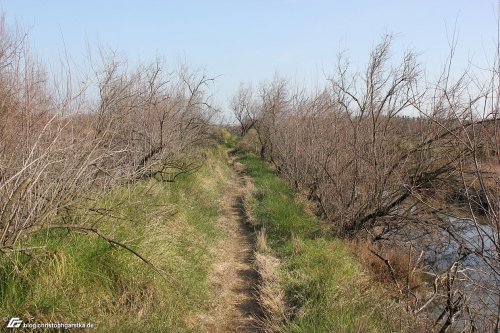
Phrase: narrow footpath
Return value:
(233, 274)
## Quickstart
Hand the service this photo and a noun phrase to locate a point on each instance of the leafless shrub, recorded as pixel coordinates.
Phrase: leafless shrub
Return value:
(61, 142)
(43, 163)
(151, 118)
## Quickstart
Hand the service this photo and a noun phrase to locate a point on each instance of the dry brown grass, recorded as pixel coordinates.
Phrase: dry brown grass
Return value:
(247, 197)
(270, 294)
(261, 241)
(405, 268)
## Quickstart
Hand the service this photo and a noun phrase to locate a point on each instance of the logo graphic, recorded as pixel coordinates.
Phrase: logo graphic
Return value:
(14, 322)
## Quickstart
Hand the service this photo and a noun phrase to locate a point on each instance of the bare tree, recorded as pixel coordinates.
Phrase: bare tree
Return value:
(243, 106)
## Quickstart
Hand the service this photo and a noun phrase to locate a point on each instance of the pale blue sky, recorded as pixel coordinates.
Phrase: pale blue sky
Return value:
(251, 40)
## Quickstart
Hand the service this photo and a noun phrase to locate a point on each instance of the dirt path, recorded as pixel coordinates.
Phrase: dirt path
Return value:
(234, 276)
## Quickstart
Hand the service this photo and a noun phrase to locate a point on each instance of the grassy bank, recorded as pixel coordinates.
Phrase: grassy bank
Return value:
(70, 276)
(74, 277)
(326, 288)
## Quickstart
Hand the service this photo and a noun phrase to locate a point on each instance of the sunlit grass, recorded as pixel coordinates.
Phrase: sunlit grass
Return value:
(78, 277)
(326, 287)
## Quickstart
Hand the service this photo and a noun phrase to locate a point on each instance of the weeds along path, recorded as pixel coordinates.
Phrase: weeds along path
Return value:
(233, 275)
